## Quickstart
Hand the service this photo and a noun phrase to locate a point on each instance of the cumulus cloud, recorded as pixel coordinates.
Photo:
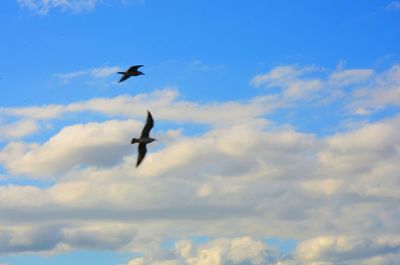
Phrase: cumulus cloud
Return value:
(324, 250)
(238, 180)
(243, 250)
(56, 237)
(362, 91)
(195, 185)
(336, 250)
(91, 144)
(165, 103)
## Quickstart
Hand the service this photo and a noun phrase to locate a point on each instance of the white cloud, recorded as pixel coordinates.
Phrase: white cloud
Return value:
(362, 151)
(281, 75)
(349, 77)
(291, 80)
(344, 249)
(55, 237)
(67, 77)
(362, 91)
(324, 250)
(34, 113)
(21, 196)
(202, 182)
(381, 92)
(43, 6)
(89, 144)
(104, 71)
(207, 67)
(239, 180)
(394, 5)
(100, 72)
(165, 104)
(137, 261)
(243, 250)
(326, 186)
(17, 129)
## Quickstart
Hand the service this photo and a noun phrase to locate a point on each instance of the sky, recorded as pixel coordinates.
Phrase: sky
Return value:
(277, 127)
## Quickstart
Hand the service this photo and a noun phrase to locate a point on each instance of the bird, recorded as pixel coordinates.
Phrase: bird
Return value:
(132, 71)
(144, 139)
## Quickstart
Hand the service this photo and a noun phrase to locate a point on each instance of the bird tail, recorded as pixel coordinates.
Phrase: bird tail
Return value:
(134, 140)
(122, 73)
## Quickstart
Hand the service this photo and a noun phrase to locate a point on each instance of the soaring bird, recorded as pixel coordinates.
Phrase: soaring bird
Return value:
(144, 139)
(132, 71)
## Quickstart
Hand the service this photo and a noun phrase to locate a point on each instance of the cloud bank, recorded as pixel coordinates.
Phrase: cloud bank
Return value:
(238, 180)
(245, 250)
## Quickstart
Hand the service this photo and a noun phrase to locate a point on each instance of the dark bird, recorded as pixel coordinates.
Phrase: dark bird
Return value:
(132, 71)
(144, 139)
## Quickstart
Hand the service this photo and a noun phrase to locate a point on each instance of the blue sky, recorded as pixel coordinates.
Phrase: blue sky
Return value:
(277, 124)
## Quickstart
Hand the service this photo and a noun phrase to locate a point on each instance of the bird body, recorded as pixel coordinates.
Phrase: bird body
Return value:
(132, 71)
(144, 139)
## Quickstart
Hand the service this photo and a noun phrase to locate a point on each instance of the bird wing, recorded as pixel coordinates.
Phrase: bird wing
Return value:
(141, 153)
(134, 68)
(148, 126)
(123, 78)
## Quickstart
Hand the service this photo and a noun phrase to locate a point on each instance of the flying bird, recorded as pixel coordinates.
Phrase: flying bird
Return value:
(132, 71)
(144, 139)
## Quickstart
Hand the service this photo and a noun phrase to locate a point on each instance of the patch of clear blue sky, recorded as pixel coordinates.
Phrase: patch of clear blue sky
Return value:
(208, 49)
(282, 245)
(23, 181)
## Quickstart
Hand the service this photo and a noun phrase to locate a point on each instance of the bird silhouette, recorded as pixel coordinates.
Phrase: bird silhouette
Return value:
(144, 139)
(132, 71)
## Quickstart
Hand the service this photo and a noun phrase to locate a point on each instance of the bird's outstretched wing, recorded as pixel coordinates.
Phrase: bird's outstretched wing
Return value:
(148, 126)
(134, 68)
(123, 78)
(141, 153)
